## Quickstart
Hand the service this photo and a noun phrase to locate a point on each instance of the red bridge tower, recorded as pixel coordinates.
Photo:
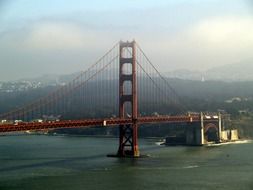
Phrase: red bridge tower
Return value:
(128, 145)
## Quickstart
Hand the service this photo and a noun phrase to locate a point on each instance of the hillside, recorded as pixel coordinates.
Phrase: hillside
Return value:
(196, 95)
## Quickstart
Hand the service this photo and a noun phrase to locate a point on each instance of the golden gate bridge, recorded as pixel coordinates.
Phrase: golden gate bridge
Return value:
(123, 88)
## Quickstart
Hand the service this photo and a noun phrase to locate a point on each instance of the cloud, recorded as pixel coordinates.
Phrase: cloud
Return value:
(63, 36)
(209, 42)
(50, 47)
(227, 32)
(223, 34)
(54, 35)
(213, 41)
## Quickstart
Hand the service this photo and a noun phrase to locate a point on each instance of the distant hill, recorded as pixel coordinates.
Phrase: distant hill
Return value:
(241, 71)
(237, 72)
(185, 74)
(51, 79)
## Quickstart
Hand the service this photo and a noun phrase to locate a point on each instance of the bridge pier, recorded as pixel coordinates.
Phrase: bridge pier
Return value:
(194, 135)
(128, 141)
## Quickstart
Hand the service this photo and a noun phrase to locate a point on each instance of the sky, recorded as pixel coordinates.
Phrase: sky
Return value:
(62, 37)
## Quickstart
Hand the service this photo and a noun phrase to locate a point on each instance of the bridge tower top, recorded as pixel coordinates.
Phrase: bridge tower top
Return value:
(128, 56)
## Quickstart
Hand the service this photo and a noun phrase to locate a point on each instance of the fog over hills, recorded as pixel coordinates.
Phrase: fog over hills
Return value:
(234, 72)
(242, 71)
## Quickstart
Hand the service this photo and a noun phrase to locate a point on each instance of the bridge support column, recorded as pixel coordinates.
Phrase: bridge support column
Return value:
(202, 128)
(128, 134)
(220, 127)
(195, 133)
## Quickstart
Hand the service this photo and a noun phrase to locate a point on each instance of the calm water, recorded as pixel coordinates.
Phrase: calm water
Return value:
(58, 162)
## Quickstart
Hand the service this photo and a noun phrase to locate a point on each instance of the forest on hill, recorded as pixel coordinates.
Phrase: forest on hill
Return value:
(235, 98)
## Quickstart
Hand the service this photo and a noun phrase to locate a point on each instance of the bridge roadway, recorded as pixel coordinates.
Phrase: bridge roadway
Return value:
(24, 126)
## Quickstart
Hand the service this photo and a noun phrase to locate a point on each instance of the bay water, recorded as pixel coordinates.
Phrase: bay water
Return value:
(45, 162)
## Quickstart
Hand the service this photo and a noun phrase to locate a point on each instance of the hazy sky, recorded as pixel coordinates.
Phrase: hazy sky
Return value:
(57, 36)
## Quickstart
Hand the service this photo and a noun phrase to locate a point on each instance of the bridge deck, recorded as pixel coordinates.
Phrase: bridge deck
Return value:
(24, 126)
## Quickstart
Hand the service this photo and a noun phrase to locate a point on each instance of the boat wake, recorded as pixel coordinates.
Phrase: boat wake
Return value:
(190, 167)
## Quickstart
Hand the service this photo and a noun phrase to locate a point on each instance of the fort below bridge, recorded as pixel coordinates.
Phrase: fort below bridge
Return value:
(210, 129)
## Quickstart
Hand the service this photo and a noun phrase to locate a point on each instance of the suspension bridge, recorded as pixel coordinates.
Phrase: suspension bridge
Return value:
(123, 88)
